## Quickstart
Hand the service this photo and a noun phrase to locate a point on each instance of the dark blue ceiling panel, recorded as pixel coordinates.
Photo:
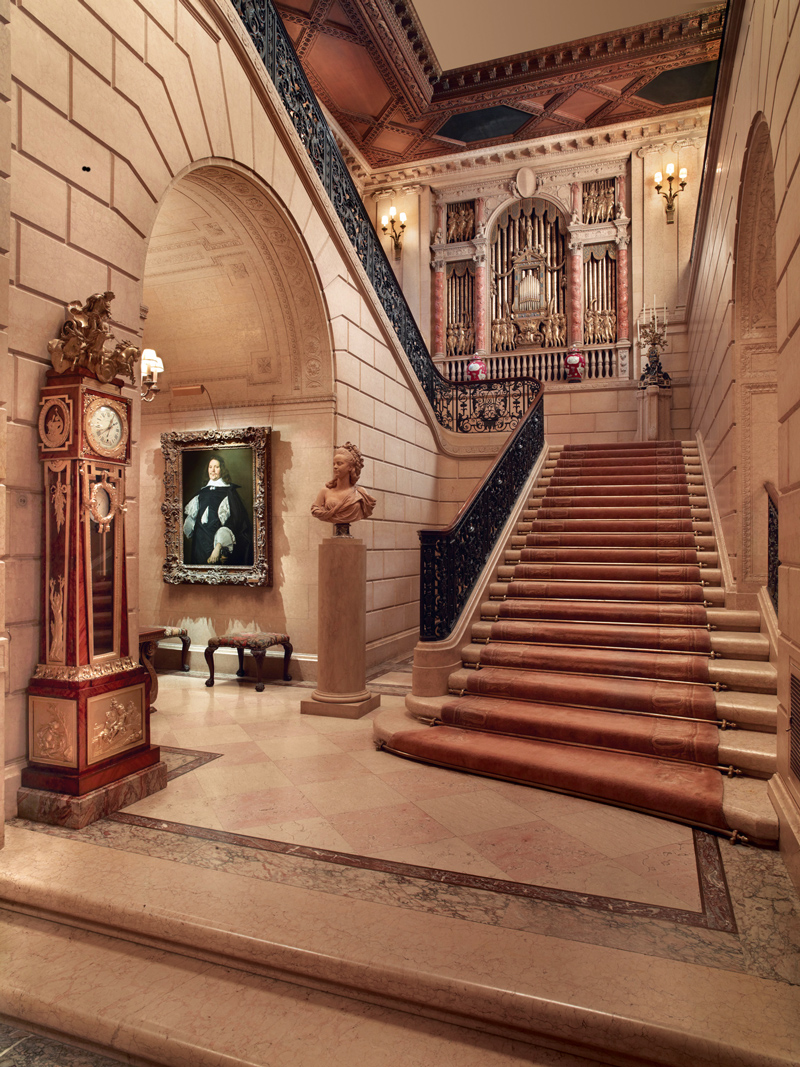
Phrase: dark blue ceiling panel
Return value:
(484, 125)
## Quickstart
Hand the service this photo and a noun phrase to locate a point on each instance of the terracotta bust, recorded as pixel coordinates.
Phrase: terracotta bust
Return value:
(341, 501)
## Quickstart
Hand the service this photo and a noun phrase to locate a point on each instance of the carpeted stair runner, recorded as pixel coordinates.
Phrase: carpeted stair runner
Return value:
(594, 672)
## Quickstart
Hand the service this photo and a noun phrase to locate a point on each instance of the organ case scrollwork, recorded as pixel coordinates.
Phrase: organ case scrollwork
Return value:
(528, 253)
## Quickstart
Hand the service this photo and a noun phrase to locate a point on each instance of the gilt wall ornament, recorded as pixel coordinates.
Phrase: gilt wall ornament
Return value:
(52, 730)
(84, 340)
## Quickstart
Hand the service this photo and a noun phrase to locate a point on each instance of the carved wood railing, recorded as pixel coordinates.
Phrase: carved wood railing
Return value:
(773, 562)
(452, 559)
(452, 408)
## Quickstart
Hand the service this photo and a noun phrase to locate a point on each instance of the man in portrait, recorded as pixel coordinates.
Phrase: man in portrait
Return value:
(218, 526)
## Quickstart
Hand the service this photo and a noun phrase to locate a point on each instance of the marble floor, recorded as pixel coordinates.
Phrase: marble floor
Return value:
(21, 1048)
(665, 924)
(319, 782)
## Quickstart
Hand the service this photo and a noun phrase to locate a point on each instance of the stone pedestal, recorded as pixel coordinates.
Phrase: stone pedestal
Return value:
(655, 406)
(342, 632)
(76, 812)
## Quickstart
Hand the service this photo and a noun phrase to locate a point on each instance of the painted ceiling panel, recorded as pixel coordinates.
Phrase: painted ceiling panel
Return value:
(579, 106)
(337, 14)
(375, 58)
(392, 141)
(351, 78)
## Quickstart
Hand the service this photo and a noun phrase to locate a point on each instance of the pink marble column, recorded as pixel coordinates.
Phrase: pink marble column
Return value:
(577, 202)
(622, 195)
(438, 310)
(575, 286)
(479, 304)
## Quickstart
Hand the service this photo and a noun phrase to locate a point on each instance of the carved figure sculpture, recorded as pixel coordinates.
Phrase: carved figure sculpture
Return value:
(341, 501)
(83, 338)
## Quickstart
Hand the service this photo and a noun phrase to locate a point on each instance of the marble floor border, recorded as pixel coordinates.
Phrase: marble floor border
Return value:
(716, 914)
(193, 759)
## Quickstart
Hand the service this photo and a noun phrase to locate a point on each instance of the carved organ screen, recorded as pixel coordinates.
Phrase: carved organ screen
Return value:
(460, 299)
(600, 294)
(528, 250)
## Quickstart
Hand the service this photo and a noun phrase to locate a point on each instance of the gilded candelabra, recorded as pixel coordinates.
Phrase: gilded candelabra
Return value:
(652, 336)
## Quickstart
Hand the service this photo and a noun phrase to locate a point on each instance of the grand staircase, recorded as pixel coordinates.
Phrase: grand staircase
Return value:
(605, 664)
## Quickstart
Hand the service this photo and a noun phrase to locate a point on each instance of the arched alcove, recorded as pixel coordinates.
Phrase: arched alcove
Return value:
(231, 294)
(755, 356)
(233, 303)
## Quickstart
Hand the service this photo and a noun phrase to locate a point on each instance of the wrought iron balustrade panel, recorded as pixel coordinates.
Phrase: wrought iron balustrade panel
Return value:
(496, 410)
(773, 562)
(452, 560)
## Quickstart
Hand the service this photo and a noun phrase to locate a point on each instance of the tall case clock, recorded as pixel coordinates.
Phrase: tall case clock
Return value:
(88, 723)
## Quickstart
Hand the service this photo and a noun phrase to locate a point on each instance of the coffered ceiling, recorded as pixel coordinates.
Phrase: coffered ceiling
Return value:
(375, 65)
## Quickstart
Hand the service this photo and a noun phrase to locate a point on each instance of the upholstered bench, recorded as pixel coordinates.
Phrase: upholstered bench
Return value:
(257, 643)
(148, 642)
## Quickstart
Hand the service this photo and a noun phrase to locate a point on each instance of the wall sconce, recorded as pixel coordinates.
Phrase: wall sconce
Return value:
(396, 235)
(151, 368)
(672, 195)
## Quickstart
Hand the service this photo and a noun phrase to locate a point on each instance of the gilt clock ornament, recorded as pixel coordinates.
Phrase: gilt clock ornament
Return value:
(88, 699)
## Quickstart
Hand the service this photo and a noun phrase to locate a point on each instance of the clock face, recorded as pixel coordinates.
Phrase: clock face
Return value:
(106, 428)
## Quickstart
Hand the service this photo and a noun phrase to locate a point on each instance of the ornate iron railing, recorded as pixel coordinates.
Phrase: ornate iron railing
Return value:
(773, 562)
(273, 44)
(453, 559)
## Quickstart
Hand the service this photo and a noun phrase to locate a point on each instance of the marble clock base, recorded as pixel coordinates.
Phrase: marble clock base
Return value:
(61, 809)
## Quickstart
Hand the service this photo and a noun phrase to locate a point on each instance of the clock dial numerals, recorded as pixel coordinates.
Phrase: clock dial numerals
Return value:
(106, 429)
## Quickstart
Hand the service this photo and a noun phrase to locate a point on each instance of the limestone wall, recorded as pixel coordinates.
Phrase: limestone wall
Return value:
(114, 109)
(744, 345)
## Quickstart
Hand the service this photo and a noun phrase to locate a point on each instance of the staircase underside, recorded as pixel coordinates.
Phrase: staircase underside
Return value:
(605, 664)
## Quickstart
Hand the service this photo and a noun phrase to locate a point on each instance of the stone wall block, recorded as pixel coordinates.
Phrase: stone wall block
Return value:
(65, 149)
(101, 231)
(38, 196)
(207, 73)
(96, 107)
(39, 61)
(126, 19)
(174, 67)
(139, 84)
(239, 98)
(80, 31)
(48, 266)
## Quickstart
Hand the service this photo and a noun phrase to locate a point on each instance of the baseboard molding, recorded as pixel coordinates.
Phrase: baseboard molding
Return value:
(789, 817)
(12, 780)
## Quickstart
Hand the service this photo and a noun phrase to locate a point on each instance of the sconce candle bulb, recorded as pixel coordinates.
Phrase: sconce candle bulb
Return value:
(151, 367)
(396, 234)
(672, 195)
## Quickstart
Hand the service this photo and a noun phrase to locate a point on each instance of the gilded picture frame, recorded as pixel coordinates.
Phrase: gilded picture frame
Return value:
(218, 506)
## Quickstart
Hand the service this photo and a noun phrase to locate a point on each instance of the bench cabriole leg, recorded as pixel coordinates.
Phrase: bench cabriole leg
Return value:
(209, 654)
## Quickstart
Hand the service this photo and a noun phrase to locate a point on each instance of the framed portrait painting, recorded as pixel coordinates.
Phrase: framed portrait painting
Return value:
(217, 506)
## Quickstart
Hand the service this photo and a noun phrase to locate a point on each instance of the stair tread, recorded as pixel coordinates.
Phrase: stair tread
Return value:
(642, 631)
